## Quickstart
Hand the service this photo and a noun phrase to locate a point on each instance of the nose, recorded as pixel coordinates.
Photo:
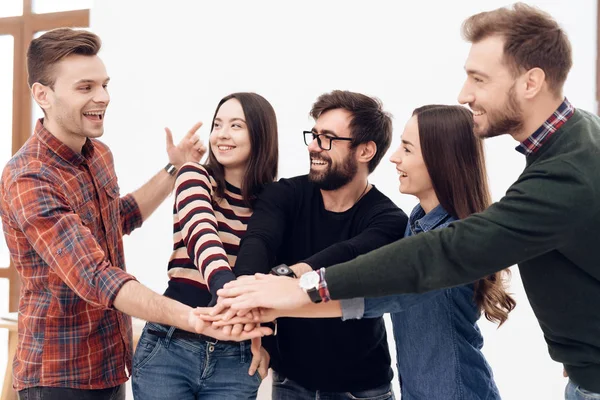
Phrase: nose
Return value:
(102, 96)
(396, 157)
(466, 94)
(223, 133)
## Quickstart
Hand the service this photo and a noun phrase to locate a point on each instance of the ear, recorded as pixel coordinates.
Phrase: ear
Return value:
(535, 80)
(366, 151)
(41, 95)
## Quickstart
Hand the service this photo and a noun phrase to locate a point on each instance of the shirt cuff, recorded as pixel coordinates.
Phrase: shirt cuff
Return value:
(130, 214)
(217, 280)
(352, 308)
(111, 281)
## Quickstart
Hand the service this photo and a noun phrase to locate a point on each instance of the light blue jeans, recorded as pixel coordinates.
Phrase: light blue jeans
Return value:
(576, 392)
(190, 369)
(287, 389)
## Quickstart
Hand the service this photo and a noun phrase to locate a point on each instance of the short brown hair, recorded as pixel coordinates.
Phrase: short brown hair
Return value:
(369, 121)
(50, 48)
(532, 39)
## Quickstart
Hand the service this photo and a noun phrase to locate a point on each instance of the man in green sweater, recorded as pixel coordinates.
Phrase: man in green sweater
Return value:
(547, 222)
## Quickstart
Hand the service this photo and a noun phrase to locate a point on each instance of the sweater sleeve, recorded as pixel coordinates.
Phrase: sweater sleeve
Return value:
(266, 228)
(535, 216)
(199, 227)
(383, 224)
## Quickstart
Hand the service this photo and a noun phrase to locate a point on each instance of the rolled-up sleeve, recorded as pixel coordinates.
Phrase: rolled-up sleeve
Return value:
(65, 244)
(131, 216)
(352, 308)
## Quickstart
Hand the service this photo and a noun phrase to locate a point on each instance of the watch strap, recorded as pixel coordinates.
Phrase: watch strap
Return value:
(323, 291)
(171, 169)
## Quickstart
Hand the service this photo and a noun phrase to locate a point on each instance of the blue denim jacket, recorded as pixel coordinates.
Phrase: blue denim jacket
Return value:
(438, 342)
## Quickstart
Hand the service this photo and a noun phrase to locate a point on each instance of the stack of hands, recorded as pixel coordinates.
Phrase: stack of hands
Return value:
(242, 306)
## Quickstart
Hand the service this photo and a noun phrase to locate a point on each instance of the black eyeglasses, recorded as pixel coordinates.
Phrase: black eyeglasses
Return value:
(324, 140)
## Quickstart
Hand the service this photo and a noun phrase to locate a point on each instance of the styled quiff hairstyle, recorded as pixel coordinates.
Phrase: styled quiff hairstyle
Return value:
(53, 46)
(532, 38)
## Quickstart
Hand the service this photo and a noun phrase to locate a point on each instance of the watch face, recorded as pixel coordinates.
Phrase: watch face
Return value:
(282, 270)
(309, 280)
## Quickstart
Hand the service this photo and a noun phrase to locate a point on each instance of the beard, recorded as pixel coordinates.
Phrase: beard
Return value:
(506, 119)
(334, 177)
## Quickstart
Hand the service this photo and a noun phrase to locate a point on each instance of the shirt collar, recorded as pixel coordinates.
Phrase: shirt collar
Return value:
(421, 222)
(61, 149)
(534, 142)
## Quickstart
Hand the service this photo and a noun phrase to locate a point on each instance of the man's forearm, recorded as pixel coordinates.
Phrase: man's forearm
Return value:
(331, 309)
(138, 301)
(301, 268)
(153, 193)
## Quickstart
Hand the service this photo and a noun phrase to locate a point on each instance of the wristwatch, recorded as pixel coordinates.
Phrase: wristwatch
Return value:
(309, 282)
(171, 169)
(283, 270)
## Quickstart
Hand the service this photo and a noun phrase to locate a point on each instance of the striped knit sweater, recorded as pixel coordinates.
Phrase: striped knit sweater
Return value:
(206, 236)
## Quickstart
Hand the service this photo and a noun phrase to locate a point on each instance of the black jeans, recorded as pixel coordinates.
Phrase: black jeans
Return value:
(54, 393)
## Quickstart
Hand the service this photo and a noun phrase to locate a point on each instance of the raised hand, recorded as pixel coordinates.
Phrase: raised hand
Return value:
(189, 149)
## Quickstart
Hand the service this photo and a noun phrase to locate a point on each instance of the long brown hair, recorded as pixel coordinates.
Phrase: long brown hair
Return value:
(264, 149)
(455, 161)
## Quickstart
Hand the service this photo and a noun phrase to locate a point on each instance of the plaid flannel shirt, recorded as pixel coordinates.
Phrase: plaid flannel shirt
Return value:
(63, 222)
(543, 133)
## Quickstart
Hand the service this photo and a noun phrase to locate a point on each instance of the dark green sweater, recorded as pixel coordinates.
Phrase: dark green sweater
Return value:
(548, 222)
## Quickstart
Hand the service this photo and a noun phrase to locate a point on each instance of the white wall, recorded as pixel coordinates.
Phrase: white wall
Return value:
(171, 62)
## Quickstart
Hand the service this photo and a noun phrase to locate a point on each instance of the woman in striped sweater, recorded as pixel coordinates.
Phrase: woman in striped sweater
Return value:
(213, 204)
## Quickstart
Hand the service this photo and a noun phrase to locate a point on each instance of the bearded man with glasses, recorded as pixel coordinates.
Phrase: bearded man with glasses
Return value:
(330, 215)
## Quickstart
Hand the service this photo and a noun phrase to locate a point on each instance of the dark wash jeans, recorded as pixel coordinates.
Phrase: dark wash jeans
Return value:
(287, 389)
(54, 393)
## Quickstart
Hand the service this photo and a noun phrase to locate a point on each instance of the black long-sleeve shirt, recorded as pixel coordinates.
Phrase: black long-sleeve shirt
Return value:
(290, 224)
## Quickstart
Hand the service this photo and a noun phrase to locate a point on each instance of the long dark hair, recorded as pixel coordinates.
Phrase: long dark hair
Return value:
(455, 161)
(264, 148)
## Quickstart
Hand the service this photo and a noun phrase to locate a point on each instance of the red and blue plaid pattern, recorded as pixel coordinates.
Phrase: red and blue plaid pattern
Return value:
(63, 222)
(543, 133)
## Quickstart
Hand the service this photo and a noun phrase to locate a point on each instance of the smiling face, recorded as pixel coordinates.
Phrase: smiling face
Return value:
(490, 90)
(412, 171)
(76, 104)
(229, 137)
(332, 169)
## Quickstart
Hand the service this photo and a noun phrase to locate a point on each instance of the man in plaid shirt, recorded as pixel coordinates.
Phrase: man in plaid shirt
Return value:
(63, 221)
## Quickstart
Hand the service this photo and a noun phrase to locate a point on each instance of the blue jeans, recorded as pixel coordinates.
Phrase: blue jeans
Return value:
(58, 393)
(576, 392)
(287, 389)
(189, 369)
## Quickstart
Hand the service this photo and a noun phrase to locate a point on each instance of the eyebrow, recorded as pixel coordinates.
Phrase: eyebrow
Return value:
(79, 82)
(231, 120)
(407, 142)
(325, 132)
(471, 71)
